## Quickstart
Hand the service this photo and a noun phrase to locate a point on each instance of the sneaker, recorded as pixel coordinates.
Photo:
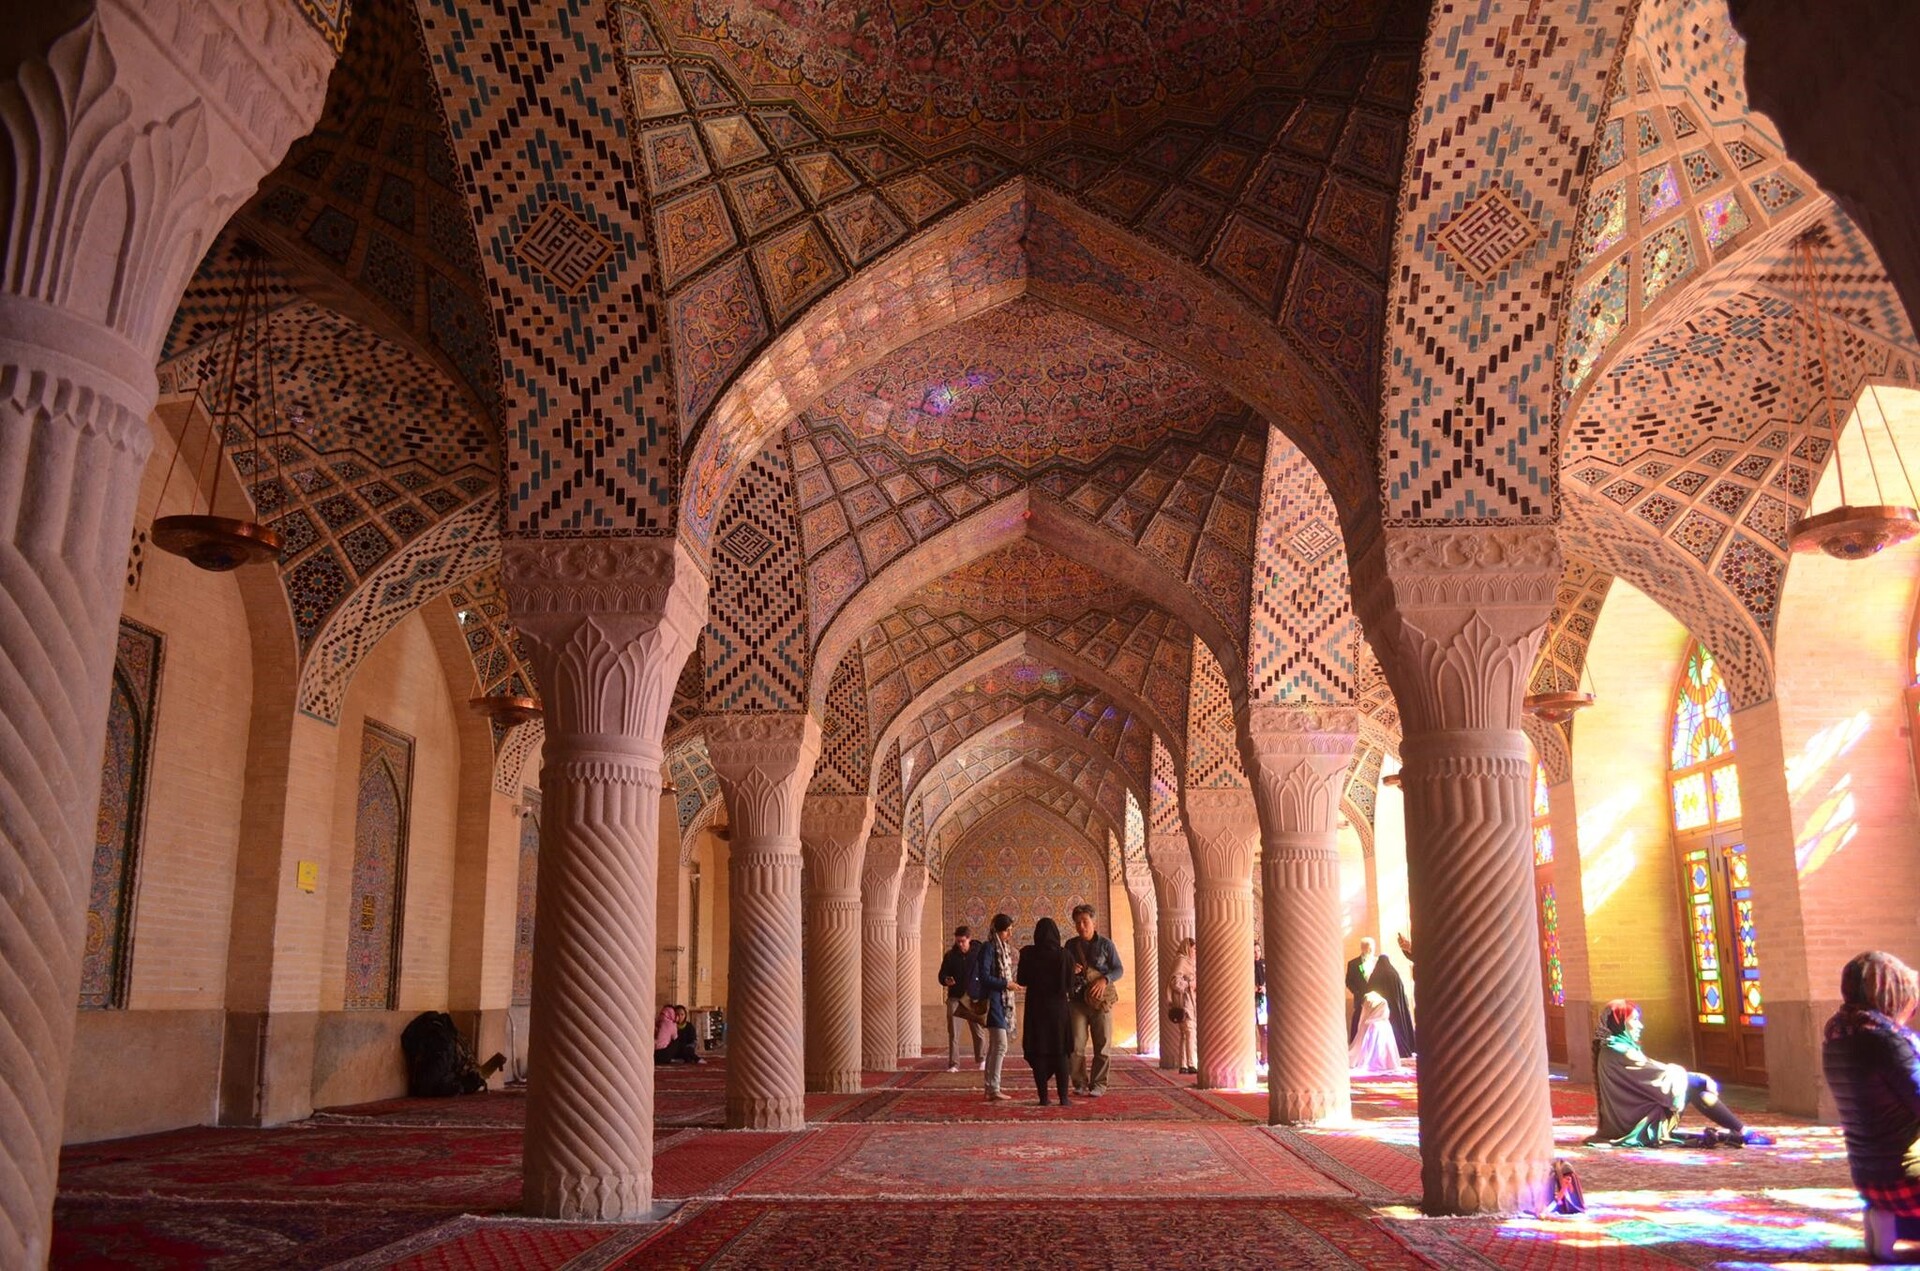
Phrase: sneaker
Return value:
(1749, 1138)
(1079, 1089)
(1002, 1095)
(953, 1067)
(1096, 1092)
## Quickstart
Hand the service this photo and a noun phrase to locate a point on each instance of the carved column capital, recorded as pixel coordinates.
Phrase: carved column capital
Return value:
(833, 835)
(880, 871)
(764, 763)
(1170, 860)
(1222, 826)
(1456, 615)
(1301, 758)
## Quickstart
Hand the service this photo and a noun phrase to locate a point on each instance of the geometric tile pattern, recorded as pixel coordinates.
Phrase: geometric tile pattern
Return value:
(1577, 602)
(846, 751)
(689, 704)
(1190, 507)
(1016, 785)
(1363, 789)
(370, 201)
(1163, 803)
(1303, 637)
(537, 120)
(755, 650)
(1213, 749)
(696, 783)
(889, 796)
(1024, 862)
(1021, 691)
(1489, 207)
(452, 550)
(971, 768)
(500, 667)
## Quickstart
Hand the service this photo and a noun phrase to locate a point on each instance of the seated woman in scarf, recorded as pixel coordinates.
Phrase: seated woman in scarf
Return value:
(1641, 1099)
(1873, 1070)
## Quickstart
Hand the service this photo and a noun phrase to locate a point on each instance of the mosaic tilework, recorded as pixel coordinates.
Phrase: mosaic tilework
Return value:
(1213, 747)
(1188, 506)
(689, 702)
(1013, 786)
(846, 750)
(696, 784)
(517, 747)
(1379, 713)
(948, 760)
(377, 893)
(1163, 801)
(371, 201)
(1140, 646)
(106, 959)
(889, 793)
(1301, 641)
(1065, 714)
(1576, 607)
(1363, 789)
(535, 112)
(755, 651)
(1021, 861)
(972, 766)
(1470, 435)
(453, 549)
(329, 18)
(525, 885)
(500, 666)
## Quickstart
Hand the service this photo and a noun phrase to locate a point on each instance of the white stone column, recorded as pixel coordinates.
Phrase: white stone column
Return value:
(607, 623)
(1456, 616)
(1223, 828)
(764, 763)
(906, 945)
(1301, 757)
(126, 141)
(833, 835)
(1148, 993)
(879, 952)
(1171, 861)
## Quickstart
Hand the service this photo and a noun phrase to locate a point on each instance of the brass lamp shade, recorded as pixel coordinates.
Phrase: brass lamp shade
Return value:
(216, 543)
(1855, 533)
(506, 710)
(1555, 707)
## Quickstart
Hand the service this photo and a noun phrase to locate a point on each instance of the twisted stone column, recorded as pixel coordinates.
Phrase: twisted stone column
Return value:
(1223, 829)
(906, 946)
(1456, 615)
(607, 623)
(879, 971)
(1301, 756)
(764, 763)
(1171, 861)
(126, 141)
(833, 834)
(1148, 992)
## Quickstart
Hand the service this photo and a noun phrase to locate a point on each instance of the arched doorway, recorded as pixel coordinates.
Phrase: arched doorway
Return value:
(1729, 1010)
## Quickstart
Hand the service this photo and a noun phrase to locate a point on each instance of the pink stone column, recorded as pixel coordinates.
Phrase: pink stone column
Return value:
(1223, 829)
(1301, 757)
(127, 139)
(833, 836)
(764, 763)
(906, 944)
(607, 623)
(1456, 615)
(1171, 861)
(879, 952)
(1148, 993)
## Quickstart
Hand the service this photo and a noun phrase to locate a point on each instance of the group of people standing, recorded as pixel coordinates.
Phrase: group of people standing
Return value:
(1066, 1025)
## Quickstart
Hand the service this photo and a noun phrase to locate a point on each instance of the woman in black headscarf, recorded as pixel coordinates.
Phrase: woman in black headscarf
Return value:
(1046, 973)
(1872, 1064)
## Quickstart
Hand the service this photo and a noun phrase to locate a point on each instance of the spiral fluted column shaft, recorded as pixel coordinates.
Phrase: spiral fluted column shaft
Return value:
(1172, 866)
(906, 945)
(1306, 1025)
(833, 994)
(1302, 753)
(607, 623)
(1149, 992)
(589, 1141)
(1486, 1131)
(764, 762)
(1456, 615)
(1223, 828)
(879, 969)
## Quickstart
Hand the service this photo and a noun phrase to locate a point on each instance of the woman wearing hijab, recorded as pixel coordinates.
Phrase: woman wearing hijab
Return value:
(1182, 996)
(1641, 1099)
(1874, 1072)
(1046, 973)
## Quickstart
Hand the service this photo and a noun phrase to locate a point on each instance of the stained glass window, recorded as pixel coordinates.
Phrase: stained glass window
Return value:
(1704, 919)
(1550, 946)
(1703, 717)
(1541, 805)
(1745, 942)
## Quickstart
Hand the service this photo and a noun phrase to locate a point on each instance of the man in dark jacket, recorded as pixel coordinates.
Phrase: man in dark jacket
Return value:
(953, 975)
(1096, 969)
(992, 975)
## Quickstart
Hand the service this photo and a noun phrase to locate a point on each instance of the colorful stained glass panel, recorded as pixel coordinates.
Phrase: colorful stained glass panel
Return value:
(1726, 793)
(1550, 946)
(1543, 845)
(1690, 802)
(1541, 804)
(1703, 715)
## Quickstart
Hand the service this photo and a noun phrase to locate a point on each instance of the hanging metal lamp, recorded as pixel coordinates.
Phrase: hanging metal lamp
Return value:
(1852, 531)
(509, 707)
(221, 543)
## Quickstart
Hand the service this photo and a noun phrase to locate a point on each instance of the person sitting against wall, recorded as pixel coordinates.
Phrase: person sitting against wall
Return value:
(673, 1038)
(1872, 1065)
(1641, 1099)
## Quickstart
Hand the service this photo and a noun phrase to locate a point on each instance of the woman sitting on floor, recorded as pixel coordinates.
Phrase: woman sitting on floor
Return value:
(1641, 1099)
(1874, 1072)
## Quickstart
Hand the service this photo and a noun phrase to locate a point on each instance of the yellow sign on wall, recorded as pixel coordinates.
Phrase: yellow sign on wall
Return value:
(307, 876)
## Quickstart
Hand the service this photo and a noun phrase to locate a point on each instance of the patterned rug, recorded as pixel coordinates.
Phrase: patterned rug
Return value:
(155, 1232)
(1207, 1235)
(1067, 1161)
(1120, 1103)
